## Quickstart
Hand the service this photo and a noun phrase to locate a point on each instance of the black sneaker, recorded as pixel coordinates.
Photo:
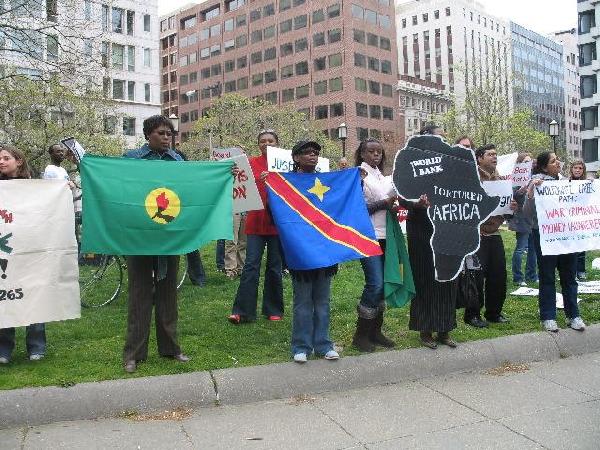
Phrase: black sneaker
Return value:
(499, 319)
(477, 322)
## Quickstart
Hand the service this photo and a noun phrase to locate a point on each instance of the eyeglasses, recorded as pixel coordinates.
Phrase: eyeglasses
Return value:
(164, 133)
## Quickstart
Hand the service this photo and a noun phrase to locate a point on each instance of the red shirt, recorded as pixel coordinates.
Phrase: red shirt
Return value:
(260, 222)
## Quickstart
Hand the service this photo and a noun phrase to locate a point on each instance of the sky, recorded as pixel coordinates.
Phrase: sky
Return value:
(543, 16)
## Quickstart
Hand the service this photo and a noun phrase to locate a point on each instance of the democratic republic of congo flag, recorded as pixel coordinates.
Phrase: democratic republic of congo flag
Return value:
(322, 218)
(141, 207)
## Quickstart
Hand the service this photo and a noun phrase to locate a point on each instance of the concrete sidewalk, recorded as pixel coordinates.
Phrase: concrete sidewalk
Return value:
(36, 406)
(545, 405)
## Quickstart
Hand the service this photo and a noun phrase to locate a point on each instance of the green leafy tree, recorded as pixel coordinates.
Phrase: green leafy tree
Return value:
(234, 120)
(39, 113)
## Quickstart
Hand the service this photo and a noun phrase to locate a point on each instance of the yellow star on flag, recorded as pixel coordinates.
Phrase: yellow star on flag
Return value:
(319, 189)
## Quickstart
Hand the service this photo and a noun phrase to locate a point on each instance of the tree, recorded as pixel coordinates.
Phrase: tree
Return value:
(38, 113)
(487, 114)
(234, 121)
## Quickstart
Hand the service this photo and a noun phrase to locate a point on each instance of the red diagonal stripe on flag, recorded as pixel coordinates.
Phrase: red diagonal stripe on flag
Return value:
(332, 230)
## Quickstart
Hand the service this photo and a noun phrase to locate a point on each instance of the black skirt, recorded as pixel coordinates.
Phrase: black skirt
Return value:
(434, 305)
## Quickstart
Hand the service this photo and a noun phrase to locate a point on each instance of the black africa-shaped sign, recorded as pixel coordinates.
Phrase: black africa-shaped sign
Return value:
(458, 203)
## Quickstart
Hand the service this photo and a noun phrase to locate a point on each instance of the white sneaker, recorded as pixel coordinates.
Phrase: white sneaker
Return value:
(576, 324)
(36, 357)
(332, 355)
(4, 360)
(300, 358)
(550, 325)
(523, 284)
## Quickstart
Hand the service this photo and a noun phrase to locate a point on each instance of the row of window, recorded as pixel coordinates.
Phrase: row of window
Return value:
(118, 20)
(383, 66)
(121, 57)
(436, 15)
(374, 111)
(372, 39)
(370, 16)
(111, 123)
(123, 89)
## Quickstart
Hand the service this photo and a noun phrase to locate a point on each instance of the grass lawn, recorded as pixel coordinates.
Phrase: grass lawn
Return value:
(90, 349)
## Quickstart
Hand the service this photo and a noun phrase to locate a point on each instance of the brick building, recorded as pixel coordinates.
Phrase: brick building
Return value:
(334, 60)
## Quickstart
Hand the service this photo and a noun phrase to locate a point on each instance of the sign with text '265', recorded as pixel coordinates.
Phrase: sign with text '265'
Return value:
(568, 215)
(280, 160)
(39, 276)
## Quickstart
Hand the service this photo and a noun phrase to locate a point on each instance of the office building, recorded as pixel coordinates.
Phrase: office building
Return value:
(421, 102)
(334, 61)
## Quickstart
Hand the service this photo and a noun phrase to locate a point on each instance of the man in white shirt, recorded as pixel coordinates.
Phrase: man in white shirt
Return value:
(54, 170)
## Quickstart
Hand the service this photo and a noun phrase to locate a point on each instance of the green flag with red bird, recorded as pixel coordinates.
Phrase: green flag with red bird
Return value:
(153, 207)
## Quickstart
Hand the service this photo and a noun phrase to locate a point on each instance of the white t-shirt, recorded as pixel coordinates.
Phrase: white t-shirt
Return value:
(52, 172)
(377, 187)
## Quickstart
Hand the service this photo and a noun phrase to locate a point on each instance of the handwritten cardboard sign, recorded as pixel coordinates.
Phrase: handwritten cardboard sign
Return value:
(521, 174)
(218, 154)
(245, 192)
(459, 204)
(506, 165)
(568, 215)
(280, 160)
(502, 189)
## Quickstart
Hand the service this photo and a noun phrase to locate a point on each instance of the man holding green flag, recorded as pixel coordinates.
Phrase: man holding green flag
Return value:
(152, 211)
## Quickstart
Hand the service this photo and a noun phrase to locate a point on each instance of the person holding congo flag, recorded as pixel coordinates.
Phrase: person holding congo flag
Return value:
(153, 211)
(322, 221)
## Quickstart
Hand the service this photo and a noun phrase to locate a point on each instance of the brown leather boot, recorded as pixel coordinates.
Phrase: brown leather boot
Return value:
(444, 338)
(427, 339)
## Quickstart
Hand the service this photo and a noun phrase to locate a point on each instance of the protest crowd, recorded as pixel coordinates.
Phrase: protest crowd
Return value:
(306, 229)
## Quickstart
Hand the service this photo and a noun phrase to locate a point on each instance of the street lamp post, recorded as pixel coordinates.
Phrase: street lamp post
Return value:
(342, 135)
(553, 131)
(175, 120)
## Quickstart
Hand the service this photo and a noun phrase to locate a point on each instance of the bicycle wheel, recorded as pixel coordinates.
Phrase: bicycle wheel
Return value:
(100, 280)
(183, 270)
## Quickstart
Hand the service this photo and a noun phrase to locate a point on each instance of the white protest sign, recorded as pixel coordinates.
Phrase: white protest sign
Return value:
(218, 154)
(568, 215)
(245, 192)
(502, 189)
(532, 292)
(39, 275)
(280, 160)
(506, 165)
(521, 174)
(588, 287)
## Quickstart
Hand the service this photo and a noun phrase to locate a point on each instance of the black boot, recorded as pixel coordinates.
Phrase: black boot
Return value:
(361, 338)
(376, 336)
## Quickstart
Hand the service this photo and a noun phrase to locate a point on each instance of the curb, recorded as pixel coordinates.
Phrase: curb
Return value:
(36, 406)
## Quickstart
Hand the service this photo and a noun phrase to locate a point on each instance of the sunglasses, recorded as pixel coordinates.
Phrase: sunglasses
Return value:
(164, 133)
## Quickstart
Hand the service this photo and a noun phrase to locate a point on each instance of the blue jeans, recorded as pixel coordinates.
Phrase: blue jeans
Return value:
(566, 265)
(310, 325)
(35, 339)
(372, 295)
(247, 293)
(524, 244)
(195, 268)
(220, 254)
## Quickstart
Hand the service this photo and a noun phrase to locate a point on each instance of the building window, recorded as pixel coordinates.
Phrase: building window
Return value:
(336, 110)
(228, 25)
(335, 84)
(118, 90)
(384, 43)
(117, 20)
(333, 11)
(242, 83)
(386, 67)
(360, 60)
(321, 112)
(131, 58)
(234, 4)
(286, 49)
(117, 56)
(269, 32)
(302, 91)
(318, 16)
(373, 64)
(256, 36)
(448, 11)
(229, 86)
(255, 15)
(110, 125)
(270, 53)
(374, 87)
(269, 10)
(287, 71)
(241, 40)
(146, 22)
(51, 48)
(375, 111)
(319, 64)
(270, 76)
(211, 13)
(362, 133)
(229, 66)
(229, 45)
(359, 36)
(147, 58)
(147, 92)
(334, 35)
(588, 86)
(287, 95)
(130, 21)
(335, 60)
(242, 62)
(360, 84)
(302, 68)
(131, 91)
(388, 113)
(319, 39)
(300, 45)
(240, 21)
(361, 110)
(358, 12)
(372, 40)
(387, 90)
(188, 22)
(256, 57)
(271, 97)
(257, 79)
(590, 150)
(300, 22)
(320, 87)
(285, 26)
(284, 5)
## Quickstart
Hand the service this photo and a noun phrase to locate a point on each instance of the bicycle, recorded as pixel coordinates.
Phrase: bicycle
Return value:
(98, 273)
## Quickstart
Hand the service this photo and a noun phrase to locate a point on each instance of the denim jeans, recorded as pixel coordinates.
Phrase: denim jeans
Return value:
(195, 268)
(524, 244)
(220, 254)
(35, 339)
(372, 295)
(310, 324)
(247, 293)
(580, 262)
(566, 265)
